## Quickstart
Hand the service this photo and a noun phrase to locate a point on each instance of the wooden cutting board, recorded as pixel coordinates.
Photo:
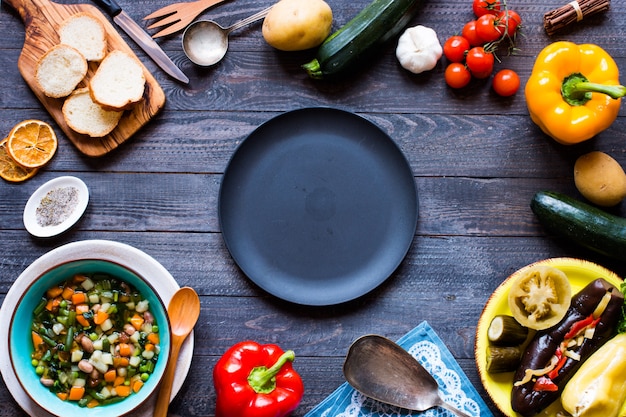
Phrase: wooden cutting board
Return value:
(42, 19)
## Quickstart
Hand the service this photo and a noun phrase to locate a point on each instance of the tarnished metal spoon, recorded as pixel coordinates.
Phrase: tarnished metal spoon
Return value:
(380, 369)
(205, 42)
(183, 311)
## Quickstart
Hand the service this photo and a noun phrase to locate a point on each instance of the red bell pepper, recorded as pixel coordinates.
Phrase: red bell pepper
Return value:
(253, 380)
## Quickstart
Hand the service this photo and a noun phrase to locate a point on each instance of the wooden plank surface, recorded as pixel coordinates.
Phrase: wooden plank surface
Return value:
(42, 19)
(477, 160)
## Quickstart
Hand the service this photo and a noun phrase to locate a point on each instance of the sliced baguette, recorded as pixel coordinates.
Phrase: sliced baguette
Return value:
(85, 33)
(84, 116)
(60, 70)
(119, 81)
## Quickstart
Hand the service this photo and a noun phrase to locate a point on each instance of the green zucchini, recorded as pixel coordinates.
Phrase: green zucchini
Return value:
(378, 22)
(582, 223)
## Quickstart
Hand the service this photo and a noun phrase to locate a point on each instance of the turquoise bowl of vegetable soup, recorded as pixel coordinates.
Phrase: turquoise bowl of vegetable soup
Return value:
(89, 337)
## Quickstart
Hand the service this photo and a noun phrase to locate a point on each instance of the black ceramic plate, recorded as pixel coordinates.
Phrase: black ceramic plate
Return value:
(318, 206)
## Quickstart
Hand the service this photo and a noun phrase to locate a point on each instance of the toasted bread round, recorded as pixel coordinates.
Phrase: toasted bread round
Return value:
(84, 116)
(85, 33)
(59, 70)
(119, 81)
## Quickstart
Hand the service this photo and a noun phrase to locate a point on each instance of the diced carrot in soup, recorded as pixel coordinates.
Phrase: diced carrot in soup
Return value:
(118, 381)
(137, 321)
(123, 390)
(153, 338)
(93, 403)
(109, 376)
(67, 293)
(37, 339)
(100, 317)
(76, 393)
(79, 298)
(125, 349)
(137, 384)
(54, 292)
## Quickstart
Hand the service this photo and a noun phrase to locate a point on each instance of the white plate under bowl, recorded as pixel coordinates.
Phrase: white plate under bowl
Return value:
(140, 262)
(30, 210)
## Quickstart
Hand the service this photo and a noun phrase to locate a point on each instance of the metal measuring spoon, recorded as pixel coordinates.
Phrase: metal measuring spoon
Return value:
(205, 42)
(382, 370)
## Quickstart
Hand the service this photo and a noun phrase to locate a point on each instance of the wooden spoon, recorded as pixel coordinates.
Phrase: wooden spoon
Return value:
(183, 312)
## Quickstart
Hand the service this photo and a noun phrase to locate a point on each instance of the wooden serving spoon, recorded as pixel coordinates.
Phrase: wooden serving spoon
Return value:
(183, 312)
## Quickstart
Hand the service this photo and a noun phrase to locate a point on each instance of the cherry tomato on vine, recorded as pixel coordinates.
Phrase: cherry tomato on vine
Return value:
(469, 33)
(488, 28)
(509, 20)
(455, 48)
(457, 75)
(483, 7)
(506, 82)
(479, 62)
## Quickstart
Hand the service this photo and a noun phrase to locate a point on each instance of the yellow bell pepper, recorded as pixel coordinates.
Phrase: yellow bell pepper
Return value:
(573, 92)
(598, 388)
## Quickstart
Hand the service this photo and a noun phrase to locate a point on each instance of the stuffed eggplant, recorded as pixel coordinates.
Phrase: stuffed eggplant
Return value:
(554, 354)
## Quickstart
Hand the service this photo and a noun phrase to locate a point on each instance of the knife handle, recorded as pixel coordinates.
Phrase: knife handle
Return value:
(109, 6)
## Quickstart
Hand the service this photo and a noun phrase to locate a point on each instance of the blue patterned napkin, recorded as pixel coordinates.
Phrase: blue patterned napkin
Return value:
(424, 345)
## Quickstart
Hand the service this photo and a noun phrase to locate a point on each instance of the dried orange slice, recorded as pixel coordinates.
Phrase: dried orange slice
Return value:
(32, 143)
(11, 170)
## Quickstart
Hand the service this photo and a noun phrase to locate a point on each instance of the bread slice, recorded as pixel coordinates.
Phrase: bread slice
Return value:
(119, 81)
(85, 33)
(59, 70)
(86, 117)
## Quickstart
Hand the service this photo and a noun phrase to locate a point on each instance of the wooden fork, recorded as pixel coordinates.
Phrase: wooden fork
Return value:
(178, 15)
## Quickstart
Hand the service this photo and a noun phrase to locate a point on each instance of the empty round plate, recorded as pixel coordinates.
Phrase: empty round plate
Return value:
(318, 206)
(55, 206)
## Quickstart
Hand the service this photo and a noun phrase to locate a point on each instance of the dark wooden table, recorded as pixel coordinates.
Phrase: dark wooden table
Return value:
(477, 160)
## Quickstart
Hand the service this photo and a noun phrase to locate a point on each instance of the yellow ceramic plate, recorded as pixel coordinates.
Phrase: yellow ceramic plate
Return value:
(499, 386)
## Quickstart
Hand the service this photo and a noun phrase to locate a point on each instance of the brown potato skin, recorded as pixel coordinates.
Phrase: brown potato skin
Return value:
(297, 25)
(600, 179)
(526, 401)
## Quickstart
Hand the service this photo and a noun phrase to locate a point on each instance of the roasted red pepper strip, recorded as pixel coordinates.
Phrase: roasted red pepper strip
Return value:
(545, 384)
(253, 380)
(578, 326)
(562, 359)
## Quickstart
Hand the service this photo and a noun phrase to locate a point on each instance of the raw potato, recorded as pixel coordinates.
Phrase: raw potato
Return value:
(296, 25)
(600, 179)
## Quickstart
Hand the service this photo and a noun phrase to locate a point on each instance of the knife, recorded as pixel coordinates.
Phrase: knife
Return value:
(142, 38)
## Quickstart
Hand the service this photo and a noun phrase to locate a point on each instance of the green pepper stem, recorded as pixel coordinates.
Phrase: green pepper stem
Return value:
(613, 91)
(576, 90)
(263, 380)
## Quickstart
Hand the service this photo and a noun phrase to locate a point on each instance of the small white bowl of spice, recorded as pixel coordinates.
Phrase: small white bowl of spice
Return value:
(55, 206)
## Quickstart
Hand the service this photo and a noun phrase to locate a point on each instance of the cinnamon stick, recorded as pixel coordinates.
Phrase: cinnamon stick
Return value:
(571, 13)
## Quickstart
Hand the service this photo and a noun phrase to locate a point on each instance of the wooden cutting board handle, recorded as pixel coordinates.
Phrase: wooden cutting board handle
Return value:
(41, 14)
(20, 7)
(42, 19)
